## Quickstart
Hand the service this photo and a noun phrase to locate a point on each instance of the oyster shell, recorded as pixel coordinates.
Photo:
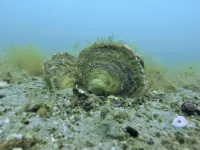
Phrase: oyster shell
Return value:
(110, 69)
(59, 71)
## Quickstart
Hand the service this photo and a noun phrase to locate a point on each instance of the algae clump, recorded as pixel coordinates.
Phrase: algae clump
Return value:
(27, 58)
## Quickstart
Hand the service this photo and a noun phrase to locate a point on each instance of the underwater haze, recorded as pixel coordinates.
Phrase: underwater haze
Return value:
(99, 75)
(168, 30)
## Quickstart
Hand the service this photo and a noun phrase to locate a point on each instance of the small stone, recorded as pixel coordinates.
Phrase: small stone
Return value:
(1, 131)
(150, 141)
(189, 107)
(2, 95)
(6, 121)
(17, 148)
(158, 134)
(3, 84)
(132, 132)
(179, 122)
(158, 92)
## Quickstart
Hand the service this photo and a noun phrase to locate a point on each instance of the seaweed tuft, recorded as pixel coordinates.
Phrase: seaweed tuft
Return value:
(27, 58)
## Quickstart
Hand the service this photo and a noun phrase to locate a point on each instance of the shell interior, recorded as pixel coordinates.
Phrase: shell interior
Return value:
(110, 68)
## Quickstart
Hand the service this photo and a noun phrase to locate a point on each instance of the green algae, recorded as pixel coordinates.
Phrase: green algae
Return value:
(28, 58)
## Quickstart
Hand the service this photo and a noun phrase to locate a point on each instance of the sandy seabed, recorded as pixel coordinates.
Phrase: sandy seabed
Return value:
(30, 119)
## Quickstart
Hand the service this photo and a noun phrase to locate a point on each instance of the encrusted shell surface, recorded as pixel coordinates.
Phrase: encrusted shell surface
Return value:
(59, 71)
(110, 69)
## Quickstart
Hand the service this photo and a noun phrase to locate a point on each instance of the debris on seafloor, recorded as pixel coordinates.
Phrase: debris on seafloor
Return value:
(3, 84)
(180, 122)
(6, 77)
(158, 92)
(190, 108)
(133, 132)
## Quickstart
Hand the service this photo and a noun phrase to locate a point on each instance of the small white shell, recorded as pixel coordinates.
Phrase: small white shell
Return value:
(179, 122)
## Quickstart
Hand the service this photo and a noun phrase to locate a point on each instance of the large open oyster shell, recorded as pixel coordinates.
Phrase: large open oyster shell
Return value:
(110, 69)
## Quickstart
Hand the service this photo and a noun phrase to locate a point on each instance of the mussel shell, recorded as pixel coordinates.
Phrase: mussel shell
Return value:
(110, 69)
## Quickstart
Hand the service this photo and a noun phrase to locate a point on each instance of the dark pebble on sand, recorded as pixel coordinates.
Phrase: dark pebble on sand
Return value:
(132, 132)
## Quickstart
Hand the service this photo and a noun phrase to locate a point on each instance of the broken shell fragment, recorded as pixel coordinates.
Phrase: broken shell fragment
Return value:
(110, 69)
(3, 84)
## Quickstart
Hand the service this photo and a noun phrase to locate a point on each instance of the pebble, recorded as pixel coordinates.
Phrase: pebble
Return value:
(2, 95)
(17, 149)
(3, 84)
